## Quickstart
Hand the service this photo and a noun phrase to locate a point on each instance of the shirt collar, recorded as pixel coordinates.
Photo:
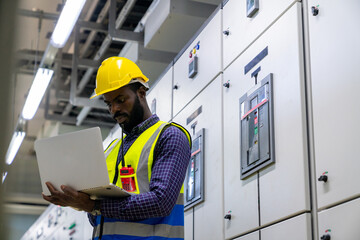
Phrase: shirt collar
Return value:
(141, 127)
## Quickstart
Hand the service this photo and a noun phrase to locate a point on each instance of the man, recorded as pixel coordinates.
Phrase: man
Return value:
(156, 151)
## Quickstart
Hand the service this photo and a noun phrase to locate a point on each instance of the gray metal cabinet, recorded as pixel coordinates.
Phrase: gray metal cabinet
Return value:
(204, 112)
(280, 190)
(334, 36)
(341, 222)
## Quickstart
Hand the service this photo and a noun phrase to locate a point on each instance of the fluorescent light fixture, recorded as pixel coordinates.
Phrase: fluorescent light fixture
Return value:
(66, 22)
(14, 146)
(36, 93)
(4, 176)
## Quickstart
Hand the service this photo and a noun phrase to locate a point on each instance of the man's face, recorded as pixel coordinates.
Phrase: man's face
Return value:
(124, 106)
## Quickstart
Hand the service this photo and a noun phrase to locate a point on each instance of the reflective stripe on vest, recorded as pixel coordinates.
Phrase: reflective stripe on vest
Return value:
(140, 157)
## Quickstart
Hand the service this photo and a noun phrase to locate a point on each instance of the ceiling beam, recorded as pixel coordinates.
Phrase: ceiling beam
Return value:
(121, 35)
(38, 14)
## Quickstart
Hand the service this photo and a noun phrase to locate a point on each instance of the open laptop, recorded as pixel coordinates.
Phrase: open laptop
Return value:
(77, 160)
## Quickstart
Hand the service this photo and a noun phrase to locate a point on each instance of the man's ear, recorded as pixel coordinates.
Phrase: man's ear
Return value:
(141, 92)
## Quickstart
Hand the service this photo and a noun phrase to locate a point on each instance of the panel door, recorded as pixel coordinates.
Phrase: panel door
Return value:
(208, 54)
(159, 98)
(283, 187)
(241, 196)
(296, 228)
(335, 59)
(341, 222)
(250, 236)
(189, 224)
(208, 215)
(242, 30)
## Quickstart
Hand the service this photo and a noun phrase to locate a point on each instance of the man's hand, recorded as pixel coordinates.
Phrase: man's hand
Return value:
(69, 198)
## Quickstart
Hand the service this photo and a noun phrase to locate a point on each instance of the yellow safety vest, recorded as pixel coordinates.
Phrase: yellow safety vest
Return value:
(140, 157)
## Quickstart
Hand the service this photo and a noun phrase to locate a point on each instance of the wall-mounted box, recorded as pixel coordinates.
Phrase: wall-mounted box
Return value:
(173, 22)
(151, 62)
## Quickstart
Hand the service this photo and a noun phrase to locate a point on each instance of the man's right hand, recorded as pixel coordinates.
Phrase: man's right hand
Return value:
(69, 197)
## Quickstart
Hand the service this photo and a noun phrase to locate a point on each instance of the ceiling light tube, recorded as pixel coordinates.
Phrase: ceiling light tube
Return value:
(66, 22)
(36, 93)
(4, 176)
(14, 146)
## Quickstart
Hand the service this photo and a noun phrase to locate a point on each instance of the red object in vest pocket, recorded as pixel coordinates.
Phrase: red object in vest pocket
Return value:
(128, 183)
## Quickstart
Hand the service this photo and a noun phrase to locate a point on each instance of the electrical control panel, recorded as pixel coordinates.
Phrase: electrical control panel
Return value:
(60, 223)
(256, 131)
(193, 62)
(194, 180)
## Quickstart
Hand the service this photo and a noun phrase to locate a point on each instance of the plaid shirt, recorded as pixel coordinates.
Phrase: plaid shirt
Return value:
(171, 158)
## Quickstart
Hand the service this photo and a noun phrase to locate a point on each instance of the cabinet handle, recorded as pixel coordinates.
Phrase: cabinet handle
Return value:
(325, 237)
(227, 84)
(314, 10)
(323, 178)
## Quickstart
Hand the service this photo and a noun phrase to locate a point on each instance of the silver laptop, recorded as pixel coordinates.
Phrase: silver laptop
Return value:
(77, 160)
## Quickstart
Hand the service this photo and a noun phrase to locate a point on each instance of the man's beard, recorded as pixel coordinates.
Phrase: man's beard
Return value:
(136, 116)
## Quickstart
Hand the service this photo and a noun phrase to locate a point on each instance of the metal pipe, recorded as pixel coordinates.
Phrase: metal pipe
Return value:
(106, 43)
(92, 34)
(104, 46)
(119, 21)
(80, 118)
(38, 14)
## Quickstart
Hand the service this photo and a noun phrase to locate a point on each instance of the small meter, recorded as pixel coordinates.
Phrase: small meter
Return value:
(193, 67)
(252, 7)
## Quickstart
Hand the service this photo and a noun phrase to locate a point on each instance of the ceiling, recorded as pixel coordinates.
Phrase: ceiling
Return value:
(66, 106)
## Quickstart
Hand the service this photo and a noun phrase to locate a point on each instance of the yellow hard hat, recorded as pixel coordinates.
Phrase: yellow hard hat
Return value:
(116, 72)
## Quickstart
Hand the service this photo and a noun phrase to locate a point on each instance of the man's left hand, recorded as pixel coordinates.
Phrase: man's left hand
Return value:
(69, 197)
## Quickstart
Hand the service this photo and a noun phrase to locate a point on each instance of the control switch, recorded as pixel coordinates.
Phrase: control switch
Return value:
(256, 131)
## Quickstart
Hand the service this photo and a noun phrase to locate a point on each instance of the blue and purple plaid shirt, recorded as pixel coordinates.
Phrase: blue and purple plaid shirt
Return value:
(171, 158)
